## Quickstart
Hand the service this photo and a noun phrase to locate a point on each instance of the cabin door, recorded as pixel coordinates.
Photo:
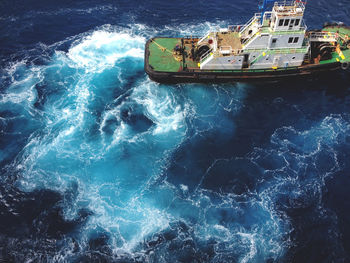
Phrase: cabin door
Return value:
(245, 61)
(273, 42)
(292, 23)
(276, 61)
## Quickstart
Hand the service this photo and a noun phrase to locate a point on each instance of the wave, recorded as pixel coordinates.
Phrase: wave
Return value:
(149, 161)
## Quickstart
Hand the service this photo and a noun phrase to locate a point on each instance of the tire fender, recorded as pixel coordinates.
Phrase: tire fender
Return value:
(345, 65)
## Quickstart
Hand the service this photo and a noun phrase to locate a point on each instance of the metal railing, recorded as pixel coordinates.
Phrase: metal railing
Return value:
(205, 37)
(323, 36)
(279, 50)
(205, 56)
(235, 28)
(225, 49)
(292, 4)
(235, 52)
(255, 18)
(252, 36)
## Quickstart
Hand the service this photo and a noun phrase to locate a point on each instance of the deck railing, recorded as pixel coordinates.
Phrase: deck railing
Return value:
(236, 52)
(294, 5)
(225, 49)
(255, 18)
(204, 38)
(323, 36)
(205, 56)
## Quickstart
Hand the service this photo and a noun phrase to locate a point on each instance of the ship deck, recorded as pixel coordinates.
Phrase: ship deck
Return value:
(344, 32)
(161, 57)
(229, 39)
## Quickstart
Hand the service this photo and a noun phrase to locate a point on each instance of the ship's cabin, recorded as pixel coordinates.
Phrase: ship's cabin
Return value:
(281, 29)
(287, 16)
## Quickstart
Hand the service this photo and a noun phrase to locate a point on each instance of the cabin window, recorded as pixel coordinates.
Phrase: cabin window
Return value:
(297, 22)
(286, 22)
(274, 40)
(250, 31)
(281, 22)
(293, 40)
(293, 57)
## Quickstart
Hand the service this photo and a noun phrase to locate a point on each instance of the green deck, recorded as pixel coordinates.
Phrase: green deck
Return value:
(343, 31)
(163, 60)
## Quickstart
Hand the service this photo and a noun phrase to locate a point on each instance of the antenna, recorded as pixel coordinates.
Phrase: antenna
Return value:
(303, 2)
(263, 6)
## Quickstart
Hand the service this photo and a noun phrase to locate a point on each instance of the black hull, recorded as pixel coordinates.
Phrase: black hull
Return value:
(200, 76)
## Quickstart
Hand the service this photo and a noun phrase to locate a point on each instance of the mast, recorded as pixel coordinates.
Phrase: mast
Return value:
(263, 7)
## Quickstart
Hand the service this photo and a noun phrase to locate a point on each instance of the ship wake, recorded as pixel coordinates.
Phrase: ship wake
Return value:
(121, 168)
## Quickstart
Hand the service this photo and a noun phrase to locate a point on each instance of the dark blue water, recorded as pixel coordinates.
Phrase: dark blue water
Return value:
(100, 164)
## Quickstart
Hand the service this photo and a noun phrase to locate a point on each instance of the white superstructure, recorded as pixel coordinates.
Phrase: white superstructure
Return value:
(274, 39)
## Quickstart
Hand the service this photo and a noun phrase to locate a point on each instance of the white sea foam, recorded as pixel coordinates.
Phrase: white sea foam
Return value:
(160, 108)
(102, 49)
(109, 184)
(252, 247)
(114, 173)
(22, 89)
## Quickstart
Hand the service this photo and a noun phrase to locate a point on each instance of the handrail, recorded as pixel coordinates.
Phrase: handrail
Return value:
(225, 50)
(289, 7)
(203, 38)
(205, 56)
(225, 47)
(236, 52)
(301, 28)
(244, 42)
(246, 25)
(299, 4)
(256, 16)
(323, 35)
(280, 50)
(235, 27)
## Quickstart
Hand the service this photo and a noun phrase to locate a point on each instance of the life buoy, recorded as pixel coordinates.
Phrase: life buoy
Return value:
(345, 65)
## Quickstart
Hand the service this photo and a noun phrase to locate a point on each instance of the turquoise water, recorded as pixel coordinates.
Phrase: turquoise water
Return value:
(100, 163)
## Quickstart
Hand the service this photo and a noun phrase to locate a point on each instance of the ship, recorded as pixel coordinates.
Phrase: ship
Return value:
(274, 44)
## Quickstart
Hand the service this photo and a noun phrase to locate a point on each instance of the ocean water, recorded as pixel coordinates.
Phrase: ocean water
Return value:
(100, 164)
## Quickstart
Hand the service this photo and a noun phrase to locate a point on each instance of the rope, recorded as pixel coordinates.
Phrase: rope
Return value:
(163, 49)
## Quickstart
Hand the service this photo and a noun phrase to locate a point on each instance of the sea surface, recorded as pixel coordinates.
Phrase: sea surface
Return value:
(100, 164)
